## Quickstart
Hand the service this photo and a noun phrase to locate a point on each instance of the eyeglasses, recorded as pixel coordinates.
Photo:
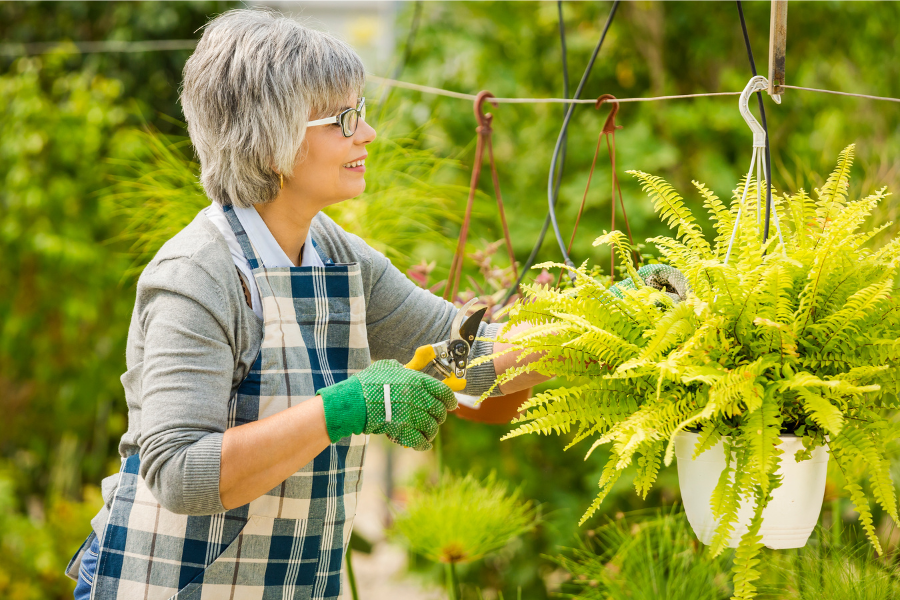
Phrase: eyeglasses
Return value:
(348, 119)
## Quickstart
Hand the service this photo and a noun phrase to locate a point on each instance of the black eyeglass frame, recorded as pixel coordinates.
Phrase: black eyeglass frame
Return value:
(344, 119)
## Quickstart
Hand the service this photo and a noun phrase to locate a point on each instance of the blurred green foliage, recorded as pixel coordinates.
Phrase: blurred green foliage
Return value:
(151, 78)
(63, 312)
(65, 296)
(653, 48)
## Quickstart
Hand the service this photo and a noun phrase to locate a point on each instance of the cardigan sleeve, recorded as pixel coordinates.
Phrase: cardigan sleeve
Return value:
(185, 384)
(400, 316)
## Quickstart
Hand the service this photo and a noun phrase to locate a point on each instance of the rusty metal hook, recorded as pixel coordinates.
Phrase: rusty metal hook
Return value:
(610, 125)
(484, 119)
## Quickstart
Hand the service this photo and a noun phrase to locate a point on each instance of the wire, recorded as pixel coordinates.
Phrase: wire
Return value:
(462, 96)
(12, 49)
(551, 201)
(762, 112)
(540, 240)
(806, 89)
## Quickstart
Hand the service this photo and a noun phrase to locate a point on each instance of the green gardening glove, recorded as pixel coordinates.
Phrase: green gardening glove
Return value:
(407, 406)
(664, 278)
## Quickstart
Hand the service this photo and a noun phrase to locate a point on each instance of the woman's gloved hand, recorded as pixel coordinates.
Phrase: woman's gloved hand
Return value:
(407, 406)
(664, 278)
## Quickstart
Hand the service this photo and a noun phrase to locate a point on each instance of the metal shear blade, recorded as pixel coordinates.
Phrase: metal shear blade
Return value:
(451, 357)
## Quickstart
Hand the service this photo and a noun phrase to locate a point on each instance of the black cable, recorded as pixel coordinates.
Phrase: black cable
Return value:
(565, 65)
(562, 163)
(551, 199)
(762, 112)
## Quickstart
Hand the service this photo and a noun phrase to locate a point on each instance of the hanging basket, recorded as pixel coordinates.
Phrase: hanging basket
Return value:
(496, 410)
(792, 512)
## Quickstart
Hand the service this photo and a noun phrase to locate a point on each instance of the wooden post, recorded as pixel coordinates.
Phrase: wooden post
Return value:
(777, 45)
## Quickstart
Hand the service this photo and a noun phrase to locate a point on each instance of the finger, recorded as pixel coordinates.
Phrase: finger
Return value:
(434, 407)
(411, 438)
(428, 426)
(440, 391)
(393, 432)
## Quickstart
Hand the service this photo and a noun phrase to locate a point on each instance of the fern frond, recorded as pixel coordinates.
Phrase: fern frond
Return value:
(607, 479)
(738, 387)
(858, 308)
(671, 209)
(844, 457)
(674, 326)
(825, 414)
(803, 214)
(834, 193)
(860, 443)
(709, 437)
(647, 468)
(722, 217)
(760, 431)
(618, 244)
(725, 499)
(746, 557)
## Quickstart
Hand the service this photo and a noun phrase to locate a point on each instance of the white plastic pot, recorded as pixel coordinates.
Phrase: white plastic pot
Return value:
(791, 514)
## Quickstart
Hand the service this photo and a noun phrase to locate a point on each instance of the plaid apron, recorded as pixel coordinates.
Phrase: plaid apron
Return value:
(290, 542)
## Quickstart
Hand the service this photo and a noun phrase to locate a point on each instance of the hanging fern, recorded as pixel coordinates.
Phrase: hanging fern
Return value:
(800, 339)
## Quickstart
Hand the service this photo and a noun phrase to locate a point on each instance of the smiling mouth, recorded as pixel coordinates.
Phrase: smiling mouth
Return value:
(356, 163)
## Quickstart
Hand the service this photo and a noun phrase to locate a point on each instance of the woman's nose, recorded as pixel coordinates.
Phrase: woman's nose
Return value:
(365, 133)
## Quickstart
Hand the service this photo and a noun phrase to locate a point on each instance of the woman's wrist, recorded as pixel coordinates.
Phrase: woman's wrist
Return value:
(345, 408)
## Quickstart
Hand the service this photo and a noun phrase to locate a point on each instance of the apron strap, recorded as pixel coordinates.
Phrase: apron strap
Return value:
(249, 252)
(242, 237)
(325, 259)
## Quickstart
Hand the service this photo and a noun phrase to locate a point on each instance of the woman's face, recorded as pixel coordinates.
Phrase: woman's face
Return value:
(323, 175)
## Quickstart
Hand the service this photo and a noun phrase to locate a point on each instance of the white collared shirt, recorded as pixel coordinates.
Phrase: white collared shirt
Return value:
(267, 248)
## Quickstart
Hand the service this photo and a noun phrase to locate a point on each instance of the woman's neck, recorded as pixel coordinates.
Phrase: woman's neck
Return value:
(288, 225)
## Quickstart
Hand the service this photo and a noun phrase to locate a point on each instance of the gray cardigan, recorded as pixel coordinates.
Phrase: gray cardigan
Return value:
(192, 340)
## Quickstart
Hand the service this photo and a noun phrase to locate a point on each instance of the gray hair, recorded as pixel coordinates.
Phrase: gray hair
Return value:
(249, 89)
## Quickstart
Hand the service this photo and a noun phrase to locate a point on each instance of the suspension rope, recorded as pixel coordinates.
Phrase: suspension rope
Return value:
(806, 89)
(12, 49)
(484, 130)
(762, 113)
(551, 200)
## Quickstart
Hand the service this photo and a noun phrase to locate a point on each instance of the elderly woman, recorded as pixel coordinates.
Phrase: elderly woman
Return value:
(250, 383)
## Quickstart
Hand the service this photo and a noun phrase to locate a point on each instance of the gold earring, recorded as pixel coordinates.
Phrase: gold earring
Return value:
(281, 176)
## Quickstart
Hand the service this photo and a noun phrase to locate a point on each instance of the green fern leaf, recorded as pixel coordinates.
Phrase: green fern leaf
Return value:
(834, 193)
(671, 209)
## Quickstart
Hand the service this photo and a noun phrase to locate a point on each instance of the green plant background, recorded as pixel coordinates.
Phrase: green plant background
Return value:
(68, 149)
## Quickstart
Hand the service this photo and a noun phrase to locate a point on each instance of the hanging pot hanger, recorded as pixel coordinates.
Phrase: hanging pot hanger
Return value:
(756, 84)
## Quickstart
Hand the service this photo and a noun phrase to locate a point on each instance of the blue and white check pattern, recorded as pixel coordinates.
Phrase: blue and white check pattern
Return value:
(290, 542)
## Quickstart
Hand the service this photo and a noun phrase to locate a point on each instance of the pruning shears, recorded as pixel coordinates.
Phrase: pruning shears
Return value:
(451, 357)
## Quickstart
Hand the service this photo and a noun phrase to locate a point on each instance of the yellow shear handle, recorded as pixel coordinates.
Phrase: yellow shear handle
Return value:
(426, 354)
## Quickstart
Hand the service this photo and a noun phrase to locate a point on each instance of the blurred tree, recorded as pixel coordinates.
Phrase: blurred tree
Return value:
(153, 78)
(63, 310)
(652, 48)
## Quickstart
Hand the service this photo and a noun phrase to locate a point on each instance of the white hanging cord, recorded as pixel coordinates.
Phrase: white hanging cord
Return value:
(758, 160)
(806, 89)
(13, 49)
(451, 94)
(737, 218)
(774, 210)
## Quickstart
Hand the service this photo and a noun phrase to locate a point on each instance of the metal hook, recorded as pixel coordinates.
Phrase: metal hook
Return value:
(610, 125)
(484, 119)
(756, 84)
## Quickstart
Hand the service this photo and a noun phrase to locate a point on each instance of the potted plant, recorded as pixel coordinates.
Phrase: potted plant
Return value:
(777, 357)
